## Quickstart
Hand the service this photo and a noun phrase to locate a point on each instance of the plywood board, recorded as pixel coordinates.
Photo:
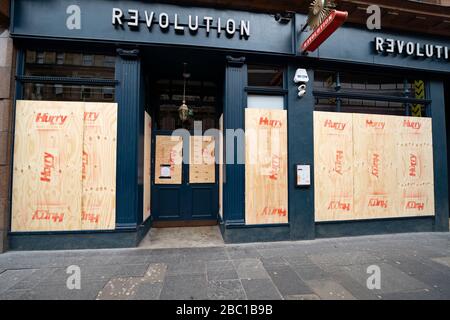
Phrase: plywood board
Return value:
(202, 159)
(392, 166)
(168, 159)
(99, 166)
(47, 173)
(147, 166)
(375, 165)
(266, 195)
(333, 170)
(414, 151)
(221, 166)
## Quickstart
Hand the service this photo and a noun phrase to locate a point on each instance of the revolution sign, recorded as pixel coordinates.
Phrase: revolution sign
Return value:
(331, 23)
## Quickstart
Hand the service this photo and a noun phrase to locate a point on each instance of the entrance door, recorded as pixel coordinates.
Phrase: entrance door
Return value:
(185, 173)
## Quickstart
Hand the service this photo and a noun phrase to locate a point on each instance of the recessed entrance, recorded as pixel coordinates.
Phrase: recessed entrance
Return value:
(184, 100)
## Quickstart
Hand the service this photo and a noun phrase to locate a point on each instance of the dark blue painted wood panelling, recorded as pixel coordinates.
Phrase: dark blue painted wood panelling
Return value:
(47, 18)
(436, 92)
(369, 227)
(301, 151)
(356, 45)
(128, 132)
(234, 104)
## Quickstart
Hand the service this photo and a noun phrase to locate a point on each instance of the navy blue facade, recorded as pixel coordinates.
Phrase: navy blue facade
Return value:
(269, 41)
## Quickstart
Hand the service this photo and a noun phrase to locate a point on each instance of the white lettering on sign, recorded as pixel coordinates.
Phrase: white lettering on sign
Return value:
(409, 48)
(73, 21)
(131, 18)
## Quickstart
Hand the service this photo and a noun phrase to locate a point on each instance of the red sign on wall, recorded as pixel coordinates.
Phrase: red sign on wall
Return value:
(325, 30)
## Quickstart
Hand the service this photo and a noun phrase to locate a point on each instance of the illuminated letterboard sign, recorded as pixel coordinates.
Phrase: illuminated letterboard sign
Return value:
(134, 18)
(413, 49)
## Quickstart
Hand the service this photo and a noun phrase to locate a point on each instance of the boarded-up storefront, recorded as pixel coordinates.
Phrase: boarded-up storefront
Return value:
(64, 166)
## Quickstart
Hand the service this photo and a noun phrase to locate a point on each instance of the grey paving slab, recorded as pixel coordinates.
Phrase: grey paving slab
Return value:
(184, 287)
(309, 272)
(250, 269)
(99, 272)
(242, 252)
(330, 290)
(277, 252)
(148, 286)
(302, 260)
(431, 275)
(148, 291)
(415, 295)
(13, 294)
(165, 256)
(89, 291)
(225, 290)
(392, 279)
(288, 282)
(443, 260)
(156, 273)
(344, 258)
(120, 289)
(187, 267)
(260, 289)
(131, 270)
(89, 273)
(10, 278)
(302, 297)
(129, 259)
(273, 262)
(413, 266)
(221, 270)
(356, 288)
(33, 279)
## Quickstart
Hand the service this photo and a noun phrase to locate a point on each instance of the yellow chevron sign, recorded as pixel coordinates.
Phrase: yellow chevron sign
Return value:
(419, 90)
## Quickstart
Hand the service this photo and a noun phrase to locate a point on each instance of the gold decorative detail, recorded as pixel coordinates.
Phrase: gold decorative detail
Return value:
(318, 11)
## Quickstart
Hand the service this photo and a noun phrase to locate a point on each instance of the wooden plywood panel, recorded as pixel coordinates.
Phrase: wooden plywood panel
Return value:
(221, 167)
(414, 151)
(202, 159)
(266, 197)
(333, 170)
(47, 172)
(147, 166)
(375, 165)
(99, 166)
(168, 157)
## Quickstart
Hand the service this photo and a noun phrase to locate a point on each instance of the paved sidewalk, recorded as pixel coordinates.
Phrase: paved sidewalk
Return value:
(412, 266)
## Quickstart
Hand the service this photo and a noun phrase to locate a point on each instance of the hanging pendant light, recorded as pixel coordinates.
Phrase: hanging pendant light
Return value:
(183, 110)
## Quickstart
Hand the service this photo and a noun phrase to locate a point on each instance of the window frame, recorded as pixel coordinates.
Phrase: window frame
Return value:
(22, 79)
(269, 91)
(338, 94)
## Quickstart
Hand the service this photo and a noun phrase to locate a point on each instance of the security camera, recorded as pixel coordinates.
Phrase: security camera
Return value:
(301, 78)
(284, 17)
(302, 90)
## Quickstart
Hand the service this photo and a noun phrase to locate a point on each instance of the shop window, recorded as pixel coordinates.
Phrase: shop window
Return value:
(369, 93)
(60, 58)
(265, 102)
(60, 92)
(68, 64)
(201, 99)
(88, 60)
(68, 76)
(265, 76)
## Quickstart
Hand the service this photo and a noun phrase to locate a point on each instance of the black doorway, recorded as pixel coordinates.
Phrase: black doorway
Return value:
(183, 201)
